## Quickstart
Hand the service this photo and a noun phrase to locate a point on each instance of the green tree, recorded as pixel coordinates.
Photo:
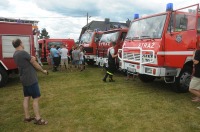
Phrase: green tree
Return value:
(44, 34)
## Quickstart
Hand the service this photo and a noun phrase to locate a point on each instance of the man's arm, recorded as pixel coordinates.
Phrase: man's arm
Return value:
(37, 66)
(195, 61)
(113, 53)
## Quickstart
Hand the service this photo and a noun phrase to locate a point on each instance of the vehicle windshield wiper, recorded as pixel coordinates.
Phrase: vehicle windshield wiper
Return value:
(129, 38)
(145, 36)
(135, 37)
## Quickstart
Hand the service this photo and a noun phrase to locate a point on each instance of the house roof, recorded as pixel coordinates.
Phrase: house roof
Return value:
(103, 25)
(33, 22)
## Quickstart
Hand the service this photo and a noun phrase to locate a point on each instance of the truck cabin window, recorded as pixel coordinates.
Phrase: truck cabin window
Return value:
(181, 22)
(57, 44)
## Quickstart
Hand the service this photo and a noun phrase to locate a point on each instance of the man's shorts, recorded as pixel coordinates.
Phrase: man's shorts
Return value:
(75, 62)
(64, 61)
(81, 61)
(32, 90)
(195, 83)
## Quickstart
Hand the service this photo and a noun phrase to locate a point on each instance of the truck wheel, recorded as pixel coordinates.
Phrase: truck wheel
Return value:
(146, 78)
(3, 77)
(183, 80)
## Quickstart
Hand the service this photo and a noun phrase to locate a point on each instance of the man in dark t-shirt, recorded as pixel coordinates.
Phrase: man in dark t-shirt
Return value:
(194, 87)
(28, 76)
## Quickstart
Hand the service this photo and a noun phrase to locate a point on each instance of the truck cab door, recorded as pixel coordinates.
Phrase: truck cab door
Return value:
(180, 37)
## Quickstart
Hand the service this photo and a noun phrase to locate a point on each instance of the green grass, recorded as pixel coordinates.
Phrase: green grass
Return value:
(81, 102)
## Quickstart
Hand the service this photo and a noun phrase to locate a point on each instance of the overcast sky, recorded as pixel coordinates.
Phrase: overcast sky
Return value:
(65, 18)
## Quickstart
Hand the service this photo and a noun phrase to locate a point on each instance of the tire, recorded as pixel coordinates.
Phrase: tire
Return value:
(183, 80)
(146, 78)
(3, 77)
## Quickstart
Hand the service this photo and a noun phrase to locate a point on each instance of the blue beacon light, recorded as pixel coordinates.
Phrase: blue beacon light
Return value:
(136, 16)
(169, 7)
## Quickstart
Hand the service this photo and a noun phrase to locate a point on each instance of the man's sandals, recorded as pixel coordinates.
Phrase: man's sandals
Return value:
(37, 122)
(40, 122)
(28, 119)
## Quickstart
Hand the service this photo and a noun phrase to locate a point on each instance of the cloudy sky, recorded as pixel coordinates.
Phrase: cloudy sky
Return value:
(65, 18)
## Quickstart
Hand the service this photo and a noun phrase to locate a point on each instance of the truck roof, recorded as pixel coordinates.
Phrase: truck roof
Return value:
(15, 28)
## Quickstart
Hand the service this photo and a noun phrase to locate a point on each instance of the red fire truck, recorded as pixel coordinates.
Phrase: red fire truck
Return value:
(45, 45)
(11, 29)
(162, 45)
(114, 35)
(90, 40)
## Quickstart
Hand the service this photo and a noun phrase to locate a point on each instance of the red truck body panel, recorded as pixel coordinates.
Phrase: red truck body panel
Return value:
(45, 45)
(14, 29)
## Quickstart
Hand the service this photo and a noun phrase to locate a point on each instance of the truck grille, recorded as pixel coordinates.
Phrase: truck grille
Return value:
(136, 57)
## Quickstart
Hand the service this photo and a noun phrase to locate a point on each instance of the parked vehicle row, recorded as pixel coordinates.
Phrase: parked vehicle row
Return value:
(155, 46)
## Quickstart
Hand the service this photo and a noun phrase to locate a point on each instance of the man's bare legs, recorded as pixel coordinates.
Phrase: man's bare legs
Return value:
(36, 108)
(197, 93)
(26, 107)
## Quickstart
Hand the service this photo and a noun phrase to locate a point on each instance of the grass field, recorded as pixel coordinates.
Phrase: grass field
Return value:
(81, 102)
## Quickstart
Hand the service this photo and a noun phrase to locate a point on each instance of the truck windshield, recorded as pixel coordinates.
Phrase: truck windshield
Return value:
(86, 37)
(109, 37)
(147, 28)
(56, 44)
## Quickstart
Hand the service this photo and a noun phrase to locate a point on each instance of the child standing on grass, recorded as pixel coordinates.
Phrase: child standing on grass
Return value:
(131, 75)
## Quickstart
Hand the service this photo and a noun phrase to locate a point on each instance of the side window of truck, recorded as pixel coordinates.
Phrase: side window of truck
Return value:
(181, 22)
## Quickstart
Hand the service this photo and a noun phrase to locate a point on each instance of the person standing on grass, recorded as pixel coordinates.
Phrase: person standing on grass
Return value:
(64, 57)
(194, 87)
(81, 61)
(76, 57)
(81, 46)
(28, 76)
(71, 59)
(56, 58)
(111, 63)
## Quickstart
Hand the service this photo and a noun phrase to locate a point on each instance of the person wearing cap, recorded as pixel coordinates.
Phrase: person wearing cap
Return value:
(194, 87)
(111, 63)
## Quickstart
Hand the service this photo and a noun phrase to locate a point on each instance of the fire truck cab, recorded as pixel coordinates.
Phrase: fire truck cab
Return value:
(90, 40)
(11, 29)
(114, 35)
(162, 45)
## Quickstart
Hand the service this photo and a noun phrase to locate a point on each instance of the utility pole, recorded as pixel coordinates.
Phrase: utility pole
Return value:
(87, 19)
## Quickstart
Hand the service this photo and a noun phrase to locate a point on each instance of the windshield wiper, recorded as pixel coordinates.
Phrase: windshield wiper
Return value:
(129, 38)
(145, 36)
